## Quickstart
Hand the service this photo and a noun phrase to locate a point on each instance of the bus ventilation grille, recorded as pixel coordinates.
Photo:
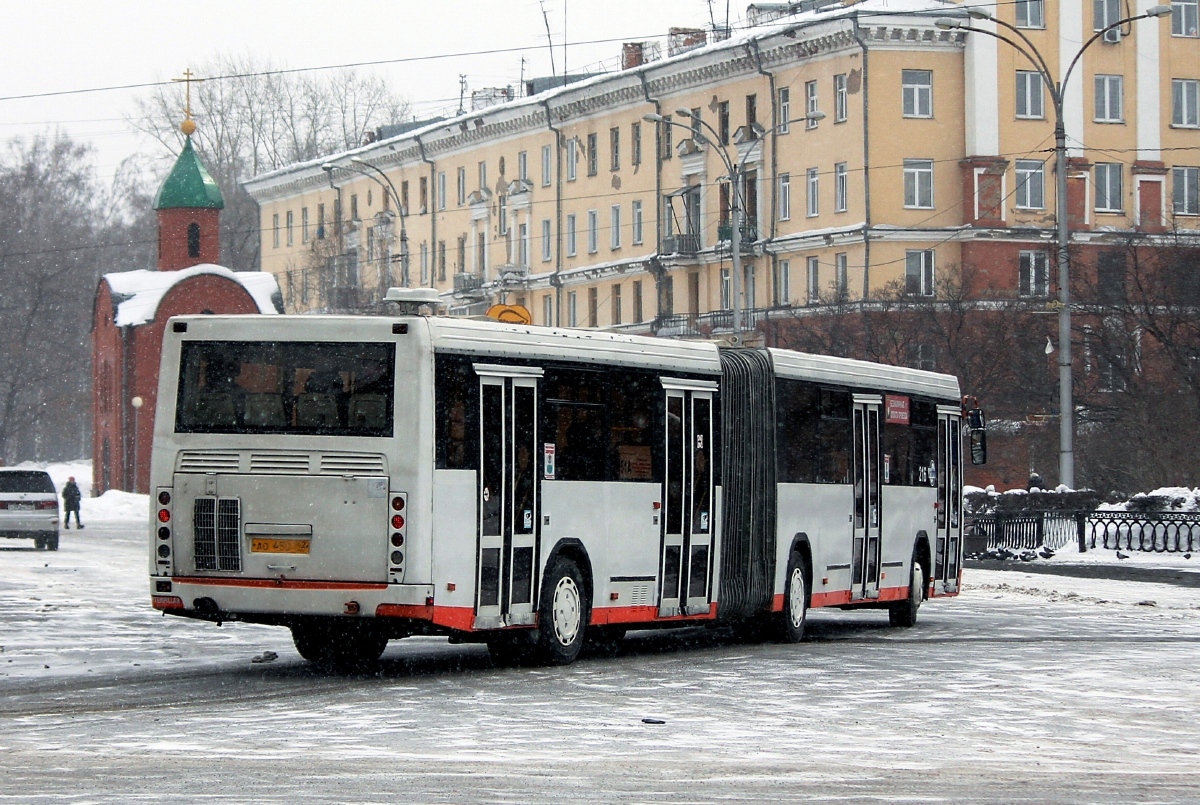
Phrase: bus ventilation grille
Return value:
(352, 464)
(279, 463)
(216, 524)
(207, 461)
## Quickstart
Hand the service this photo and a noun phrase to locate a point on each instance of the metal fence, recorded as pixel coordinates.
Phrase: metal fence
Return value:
(1158, 532)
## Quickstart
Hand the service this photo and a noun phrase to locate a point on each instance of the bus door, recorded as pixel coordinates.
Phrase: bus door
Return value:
(687, 513)
(506, 580)
(948, 466)
(867, 542)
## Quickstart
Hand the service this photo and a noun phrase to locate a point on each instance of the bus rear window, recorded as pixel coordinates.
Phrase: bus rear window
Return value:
(336, 389)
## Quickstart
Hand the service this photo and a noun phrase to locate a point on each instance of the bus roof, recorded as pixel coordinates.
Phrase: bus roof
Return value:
(863, 374)
(498, 340)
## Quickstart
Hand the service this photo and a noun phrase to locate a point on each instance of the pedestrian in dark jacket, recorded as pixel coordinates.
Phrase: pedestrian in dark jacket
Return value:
(71, 496)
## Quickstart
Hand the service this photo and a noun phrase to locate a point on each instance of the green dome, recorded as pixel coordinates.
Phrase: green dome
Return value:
(189, 185)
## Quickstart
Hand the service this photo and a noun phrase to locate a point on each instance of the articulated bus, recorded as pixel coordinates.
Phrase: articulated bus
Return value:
(359, 479)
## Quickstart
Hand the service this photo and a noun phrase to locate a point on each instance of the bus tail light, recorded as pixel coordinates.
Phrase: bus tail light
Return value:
(164, 547)
(397, 534)
(164, 516)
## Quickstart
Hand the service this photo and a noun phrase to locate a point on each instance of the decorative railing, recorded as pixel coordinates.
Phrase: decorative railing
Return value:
(467, 283)
(681, 244)
(749, 232)
(1156, 532)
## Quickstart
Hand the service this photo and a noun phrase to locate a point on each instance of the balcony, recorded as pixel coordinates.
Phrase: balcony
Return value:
(465, 284)
(681, 244)
(749, 232)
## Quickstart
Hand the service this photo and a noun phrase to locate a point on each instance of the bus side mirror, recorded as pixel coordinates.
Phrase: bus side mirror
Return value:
(978, 447)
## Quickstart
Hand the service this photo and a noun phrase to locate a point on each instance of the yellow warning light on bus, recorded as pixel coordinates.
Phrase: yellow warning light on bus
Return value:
(510, 314)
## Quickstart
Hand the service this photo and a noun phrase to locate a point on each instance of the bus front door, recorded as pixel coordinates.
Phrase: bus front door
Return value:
(948, 544)
(508, 502)
(687, 515)
(866, 544)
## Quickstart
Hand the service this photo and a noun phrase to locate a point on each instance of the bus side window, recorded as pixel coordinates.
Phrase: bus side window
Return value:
(634, 398)
(456, 404)
(796, 422)
(834, 438)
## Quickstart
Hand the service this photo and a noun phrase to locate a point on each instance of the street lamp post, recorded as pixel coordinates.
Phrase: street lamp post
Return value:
(1057, 91)
(137, 403)
(389, 187)
(736, 170)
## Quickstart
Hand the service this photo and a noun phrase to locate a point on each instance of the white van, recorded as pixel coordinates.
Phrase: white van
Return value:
(29, 507)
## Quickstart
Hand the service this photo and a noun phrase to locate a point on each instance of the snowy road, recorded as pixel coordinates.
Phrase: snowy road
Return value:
(1026, 688)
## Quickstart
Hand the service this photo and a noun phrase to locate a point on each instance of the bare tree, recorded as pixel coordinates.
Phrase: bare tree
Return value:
(253, 118)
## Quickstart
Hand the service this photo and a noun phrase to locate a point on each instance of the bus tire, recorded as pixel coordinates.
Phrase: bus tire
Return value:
(562, 615)
(904, 613)
(791, 621)
(340, 648)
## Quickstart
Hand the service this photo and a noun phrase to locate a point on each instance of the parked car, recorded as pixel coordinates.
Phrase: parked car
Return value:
(29, 507)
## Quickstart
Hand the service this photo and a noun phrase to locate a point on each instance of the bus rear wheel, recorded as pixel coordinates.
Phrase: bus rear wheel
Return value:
(350, 647)
(904, 613)
(562, 615)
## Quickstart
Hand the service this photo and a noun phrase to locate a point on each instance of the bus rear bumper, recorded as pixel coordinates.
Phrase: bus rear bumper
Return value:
(277, 600)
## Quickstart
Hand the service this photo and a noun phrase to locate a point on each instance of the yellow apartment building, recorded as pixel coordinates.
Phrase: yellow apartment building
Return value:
(876, 152)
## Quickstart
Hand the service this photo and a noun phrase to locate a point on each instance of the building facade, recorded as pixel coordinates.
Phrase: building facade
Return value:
(878, 155)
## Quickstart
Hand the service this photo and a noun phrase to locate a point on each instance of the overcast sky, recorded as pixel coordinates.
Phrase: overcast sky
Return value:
(52, 46)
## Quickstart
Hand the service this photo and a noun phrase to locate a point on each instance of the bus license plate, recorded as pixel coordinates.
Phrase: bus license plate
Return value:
(266, 545)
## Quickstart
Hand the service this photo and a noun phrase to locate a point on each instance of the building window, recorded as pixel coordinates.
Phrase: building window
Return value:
(841, 187)
(751, 114)
(723, 122)
(423, 194)
(615, 225)
(917, 92)
(546, 243)
(1109, 196)
(482, 180)
(1035, 274)
(571, 232)
(726, 292)
(320, 222)
(1031, 184)
(1110, 277)
(572, 156)
(441, 260)
(785, 109)
(923, 357)
(638, 315)
(304, 224)
(637, 222)
(1110, 99)
(502, 209)
(635, 144)
(918, 183)
(275, 230)
(547, 164)
(593, 224)
(424, 263)
(783, 283)
(748, 287)
(810, 104)
(1184, 18)
(462, 186)
(1104, 14)
(548, 310)
(694, 123)
(572, 310)
(616, 304)
(370, 244)
(1185, 182)
(593, 307)
(523, 244)
(403, 198)
(1031, 14)
(193, 240)
(918, 272)
(441, 190)
(665, 134)
(785, 196)
(814, 192)
(840, 98)
(1029, 95)
(614, 147)
(593, 154)
(1185, 102)
(841, 266)
(291, 238)
(523, 166)
(813, 281)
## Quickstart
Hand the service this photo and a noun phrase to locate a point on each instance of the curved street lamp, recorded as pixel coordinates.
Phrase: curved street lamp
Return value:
(1057, 90)
(389, 187)
(736, 172)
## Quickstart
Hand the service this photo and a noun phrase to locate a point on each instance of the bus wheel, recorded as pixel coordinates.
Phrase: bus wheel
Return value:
(904, 613)
(339, 648)
(792, 620)
(563, 614)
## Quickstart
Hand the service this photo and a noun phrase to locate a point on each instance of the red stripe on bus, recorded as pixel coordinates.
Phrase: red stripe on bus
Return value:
(602, 616)
(843, 597)
(286, 584)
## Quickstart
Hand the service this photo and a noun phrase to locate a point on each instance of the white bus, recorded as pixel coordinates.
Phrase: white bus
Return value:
(362, 479)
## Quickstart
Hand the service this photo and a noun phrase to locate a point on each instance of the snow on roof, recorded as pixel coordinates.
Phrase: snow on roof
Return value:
(137, 294)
